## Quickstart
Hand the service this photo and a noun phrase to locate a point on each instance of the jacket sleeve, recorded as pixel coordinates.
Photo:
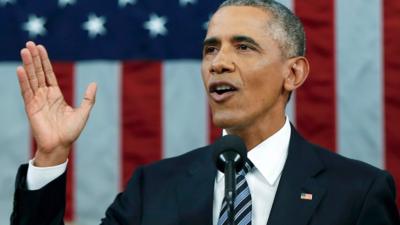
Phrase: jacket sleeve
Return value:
(379, 207)
(127, 206)
(45, 206)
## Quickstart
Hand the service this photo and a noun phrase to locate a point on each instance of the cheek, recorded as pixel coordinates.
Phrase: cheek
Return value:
(264, 86)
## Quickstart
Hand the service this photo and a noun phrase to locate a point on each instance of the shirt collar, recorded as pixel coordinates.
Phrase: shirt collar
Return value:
(270, 155)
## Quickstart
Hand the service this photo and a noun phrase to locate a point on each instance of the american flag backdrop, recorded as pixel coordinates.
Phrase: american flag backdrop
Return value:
(145, 56)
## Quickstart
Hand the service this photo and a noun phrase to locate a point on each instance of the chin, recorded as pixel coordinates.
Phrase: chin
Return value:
(225, 121)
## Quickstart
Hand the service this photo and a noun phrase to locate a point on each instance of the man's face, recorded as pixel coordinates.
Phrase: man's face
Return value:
(243, 69)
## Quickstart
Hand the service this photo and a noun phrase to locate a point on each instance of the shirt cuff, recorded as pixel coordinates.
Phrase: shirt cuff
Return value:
(38, 177)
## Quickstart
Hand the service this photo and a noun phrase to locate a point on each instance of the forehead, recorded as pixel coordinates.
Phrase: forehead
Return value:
(234, 20)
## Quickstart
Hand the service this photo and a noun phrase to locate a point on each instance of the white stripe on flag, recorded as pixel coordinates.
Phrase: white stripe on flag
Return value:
(185, 111)
(97, 152)
(291, 108)
(14, 137)
(359, 80)
(287, 3)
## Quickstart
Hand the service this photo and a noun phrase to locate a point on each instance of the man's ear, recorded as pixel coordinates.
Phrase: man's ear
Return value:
(298, 73)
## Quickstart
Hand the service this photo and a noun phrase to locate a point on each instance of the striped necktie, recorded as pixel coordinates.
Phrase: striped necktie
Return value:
(242, 203)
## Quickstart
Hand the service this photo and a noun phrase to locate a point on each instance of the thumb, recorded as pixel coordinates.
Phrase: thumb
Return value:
(89, 99)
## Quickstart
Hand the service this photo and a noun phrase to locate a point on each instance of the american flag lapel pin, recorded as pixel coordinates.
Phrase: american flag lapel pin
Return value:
(306, 196)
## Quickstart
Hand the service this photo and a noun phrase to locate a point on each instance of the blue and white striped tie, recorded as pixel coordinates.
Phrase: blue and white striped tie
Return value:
(242, 204)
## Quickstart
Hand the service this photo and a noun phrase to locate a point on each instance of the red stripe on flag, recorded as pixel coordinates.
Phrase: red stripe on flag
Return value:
(141, 115)
(65, 77)
(315, 100)
(392, 88)
(214, 132)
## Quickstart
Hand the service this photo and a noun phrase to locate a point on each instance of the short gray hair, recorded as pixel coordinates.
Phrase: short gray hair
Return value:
(287, 27)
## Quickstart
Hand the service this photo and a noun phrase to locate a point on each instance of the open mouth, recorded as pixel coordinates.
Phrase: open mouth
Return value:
(221, 89)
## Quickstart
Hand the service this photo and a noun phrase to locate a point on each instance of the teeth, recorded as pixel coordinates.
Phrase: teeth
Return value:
(223, 88)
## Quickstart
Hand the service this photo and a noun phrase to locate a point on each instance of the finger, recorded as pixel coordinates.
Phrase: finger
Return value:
(89, 99)
(29, 69)
(26, 91)
(37, 63)
(48, 69)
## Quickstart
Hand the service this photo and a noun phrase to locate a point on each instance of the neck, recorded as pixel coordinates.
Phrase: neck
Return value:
(261, 130)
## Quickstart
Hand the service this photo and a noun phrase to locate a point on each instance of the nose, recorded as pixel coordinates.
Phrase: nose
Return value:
(222, 63)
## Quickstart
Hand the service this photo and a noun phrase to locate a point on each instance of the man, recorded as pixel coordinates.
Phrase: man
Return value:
(253, 58)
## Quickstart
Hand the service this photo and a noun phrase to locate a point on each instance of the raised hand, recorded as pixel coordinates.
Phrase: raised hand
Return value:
(55, 125)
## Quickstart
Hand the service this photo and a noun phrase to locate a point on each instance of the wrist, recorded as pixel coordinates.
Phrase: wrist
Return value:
(52, 158)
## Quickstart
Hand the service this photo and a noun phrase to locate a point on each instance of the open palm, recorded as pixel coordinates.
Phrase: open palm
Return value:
(55, 125)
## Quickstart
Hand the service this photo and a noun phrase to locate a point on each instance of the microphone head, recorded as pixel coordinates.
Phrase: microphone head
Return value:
(229, 148)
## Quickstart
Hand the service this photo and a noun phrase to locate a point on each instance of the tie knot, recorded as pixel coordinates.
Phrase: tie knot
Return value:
(248, 166)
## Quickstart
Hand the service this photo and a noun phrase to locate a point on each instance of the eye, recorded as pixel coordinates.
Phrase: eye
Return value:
(209, 50)
(243, 47)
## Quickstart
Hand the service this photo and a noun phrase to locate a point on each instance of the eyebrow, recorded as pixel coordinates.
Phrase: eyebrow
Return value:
(211, 41)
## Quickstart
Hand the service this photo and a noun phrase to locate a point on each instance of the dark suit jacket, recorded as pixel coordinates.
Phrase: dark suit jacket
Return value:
(180, 191)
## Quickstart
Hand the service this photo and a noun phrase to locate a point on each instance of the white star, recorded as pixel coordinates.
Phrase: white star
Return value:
(95, 25)
(156, 25)
(5, 2)
(63, 3)
(205, 24)
(123, 3)
(185, 2)
(35, 26)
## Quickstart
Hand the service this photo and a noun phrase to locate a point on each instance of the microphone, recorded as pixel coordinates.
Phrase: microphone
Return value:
(229, 156)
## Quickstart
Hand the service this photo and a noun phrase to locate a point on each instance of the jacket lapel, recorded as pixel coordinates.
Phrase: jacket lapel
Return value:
(196, 191)
(298, 177)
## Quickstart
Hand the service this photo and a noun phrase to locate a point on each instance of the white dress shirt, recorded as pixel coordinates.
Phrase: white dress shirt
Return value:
(38, 177)
(268, 158)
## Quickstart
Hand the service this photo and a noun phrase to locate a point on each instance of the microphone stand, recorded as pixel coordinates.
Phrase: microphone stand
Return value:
(230, 191)
(229, 157)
